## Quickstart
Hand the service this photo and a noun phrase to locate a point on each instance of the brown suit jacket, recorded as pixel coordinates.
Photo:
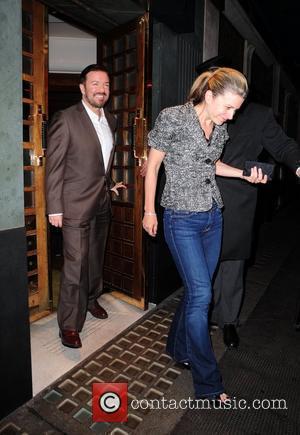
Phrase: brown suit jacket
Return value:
(77, 184)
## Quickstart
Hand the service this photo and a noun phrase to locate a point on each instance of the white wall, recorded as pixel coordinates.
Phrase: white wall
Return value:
(70, 49)
(71, 55)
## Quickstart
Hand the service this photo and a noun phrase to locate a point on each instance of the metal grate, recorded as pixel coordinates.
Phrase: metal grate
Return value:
(137, 356)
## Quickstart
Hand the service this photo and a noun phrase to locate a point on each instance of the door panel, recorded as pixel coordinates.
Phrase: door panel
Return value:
(124, 53)
(34, 109)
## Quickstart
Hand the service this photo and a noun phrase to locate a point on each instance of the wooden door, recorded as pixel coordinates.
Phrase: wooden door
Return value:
(124, 52)
(34, 110)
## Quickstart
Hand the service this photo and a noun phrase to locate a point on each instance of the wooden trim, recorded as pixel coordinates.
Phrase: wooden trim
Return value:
(39, 93)
(141, 49)
(32, 272)
(31, 233)
(27, 100)
(28, 146)
(139, 284)
(30, 253)
(30, 189)
(27, 77)
(27, 32)
(28, 211)
(27, 53)
(33, 300)
(37, 316)
(27, 122)
(129, 299)
(39, 299)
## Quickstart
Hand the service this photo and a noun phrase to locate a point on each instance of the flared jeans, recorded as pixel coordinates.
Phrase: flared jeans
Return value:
(194, 239)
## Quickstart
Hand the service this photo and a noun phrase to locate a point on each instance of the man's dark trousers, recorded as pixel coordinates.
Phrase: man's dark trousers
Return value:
(82, 275)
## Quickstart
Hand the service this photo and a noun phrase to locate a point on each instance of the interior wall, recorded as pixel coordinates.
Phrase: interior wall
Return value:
(174, 60)
(70, 48)
(15, 360)
(11, 154)
(71, 55)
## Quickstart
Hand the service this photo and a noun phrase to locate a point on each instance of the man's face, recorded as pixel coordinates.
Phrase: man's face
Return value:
(95, 89)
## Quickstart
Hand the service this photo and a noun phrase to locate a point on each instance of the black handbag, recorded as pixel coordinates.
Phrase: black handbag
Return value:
(267, 168)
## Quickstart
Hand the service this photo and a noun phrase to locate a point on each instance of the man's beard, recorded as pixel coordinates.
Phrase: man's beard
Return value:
(94, 104)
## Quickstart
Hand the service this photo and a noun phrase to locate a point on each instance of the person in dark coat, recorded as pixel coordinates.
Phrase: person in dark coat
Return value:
(253, 130)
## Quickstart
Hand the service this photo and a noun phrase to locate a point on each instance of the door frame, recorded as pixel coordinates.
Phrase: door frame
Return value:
(35, 99)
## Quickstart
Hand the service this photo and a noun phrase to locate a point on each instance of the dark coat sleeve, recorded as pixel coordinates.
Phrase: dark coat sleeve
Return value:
(281, 147)
(254, 129)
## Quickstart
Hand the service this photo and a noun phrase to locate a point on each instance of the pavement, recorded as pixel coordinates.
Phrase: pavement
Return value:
(265, 366)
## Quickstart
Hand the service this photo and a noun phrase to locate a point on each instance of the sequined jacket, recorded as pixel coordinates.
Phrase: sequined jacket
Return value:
(190, 158)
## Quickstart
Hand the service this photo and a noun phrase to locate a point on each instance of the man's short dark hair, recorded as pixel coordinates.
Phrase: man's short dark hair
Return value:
(92, 67)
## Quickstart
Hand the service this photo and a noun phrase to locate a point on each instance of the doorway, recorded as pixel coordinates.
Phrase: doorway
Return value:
(123, 51)
(70, 50)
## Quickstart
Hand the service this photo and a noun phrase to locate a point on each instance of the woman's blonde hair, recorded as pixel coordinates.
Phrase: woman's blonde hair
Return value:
(218, 80)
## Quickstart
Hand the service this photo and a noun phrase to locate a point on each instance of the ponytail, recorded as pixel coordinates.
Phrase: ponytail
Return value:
(218, 81)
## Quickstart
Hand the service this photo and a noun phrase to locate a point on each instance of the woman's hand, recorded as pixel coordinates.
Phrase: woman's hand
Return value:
(256, 176)
(153, 164)
(150, 224)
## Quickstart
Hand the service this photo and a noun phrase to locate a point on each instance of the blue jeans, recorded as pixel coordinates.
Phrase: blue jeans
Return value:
(194, 239)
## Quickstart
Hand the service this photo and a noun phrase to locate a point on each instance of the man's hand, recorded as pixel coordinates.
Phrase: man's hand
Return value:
(56, 220)
(117, 186)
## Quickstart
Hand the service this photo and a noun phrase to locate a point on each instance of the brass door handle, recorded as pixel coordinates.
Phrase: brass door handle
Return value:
(140, 138)
(36, 160)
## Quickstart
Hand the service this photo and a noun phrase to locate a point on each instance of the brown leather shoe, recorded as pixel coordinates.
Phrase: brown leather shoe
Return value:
(98, 311)
(70, 338)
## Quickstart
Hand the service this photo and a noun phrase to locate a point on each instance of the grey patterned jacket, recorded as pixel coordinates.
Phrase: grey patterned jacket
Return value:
(189, 160)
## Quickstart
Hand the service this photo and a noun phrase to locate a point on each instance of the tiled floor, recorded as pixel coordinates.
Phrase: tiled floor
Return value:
(138, 357)
(135, 355)
(50, 359)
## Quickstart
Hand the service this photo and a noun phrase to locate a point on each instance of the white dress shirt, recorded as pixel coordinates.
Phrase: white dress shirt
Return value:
(103, 132)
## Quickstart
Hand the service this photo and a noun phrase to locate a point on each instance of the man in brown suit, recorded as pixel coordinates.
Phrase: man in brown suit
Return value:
(79, 158)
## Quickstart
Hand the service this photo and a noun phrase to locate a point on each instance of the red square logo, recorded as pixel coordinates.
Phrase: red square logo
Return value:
(110, 402)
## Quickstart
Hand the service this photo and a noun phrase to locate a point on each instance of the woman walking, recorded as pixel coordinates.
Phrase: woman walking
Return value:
(189, 139)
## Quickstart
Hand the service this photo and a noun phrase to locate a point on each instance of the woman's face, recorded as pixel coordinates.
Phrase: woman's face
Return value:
(221, 108)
